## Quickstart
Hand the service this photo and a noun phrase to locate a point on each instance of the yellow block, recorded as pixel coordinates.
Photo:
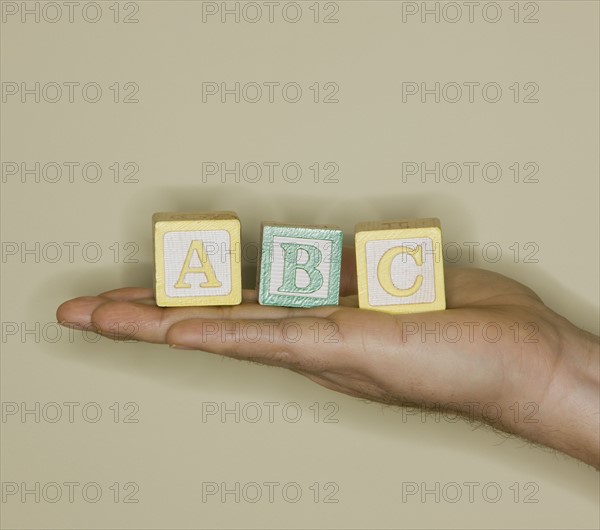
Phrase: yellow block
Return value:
(197, 259)
(399, 265)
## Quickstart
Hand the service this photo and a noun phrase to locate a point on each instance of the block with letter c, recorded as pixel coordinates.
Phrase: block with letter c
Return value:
(399, 266)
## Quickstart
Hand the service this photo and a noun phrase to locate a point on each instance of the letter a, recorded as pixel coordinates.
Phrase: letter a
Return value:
(205, 267)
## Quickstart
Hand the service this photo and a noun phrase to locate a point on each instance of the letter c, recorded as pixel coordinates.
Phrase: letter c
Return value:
(384, 270)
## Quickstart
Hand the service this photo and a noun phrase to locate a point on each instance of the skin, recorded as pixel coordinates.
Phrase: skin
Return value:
(495, 343)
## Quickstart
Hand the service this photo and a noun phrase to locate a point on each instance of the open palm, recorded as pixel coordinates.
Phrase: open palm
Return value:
(496, 342)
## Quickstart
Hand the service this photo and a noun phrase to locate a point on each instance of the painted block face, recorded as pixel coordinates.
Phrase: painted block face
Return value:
(197, 259)
(399, 266)
(300, 265)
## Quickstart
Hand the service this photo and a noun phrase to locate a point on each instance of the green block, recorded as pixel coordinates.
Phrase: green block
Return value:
(299, 265)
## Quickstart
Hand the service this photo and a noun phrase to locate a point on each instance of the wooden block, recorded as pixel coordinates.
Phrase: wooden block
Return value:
(300, 265)
(399, 266)
(197, 259)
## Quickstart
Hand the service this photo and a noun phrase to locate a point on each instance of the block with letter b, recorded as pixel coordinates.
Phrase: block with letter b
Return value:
(299, 265)
(399, 266)
(197, 259)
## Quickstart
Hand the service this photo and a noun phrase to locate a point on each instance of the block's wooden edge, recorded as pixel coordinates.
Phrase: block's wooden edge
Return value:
(297, 301)
(365, 236)
(181, 225)
(398, 224)
(361, 269)
(224, 215)
(277, 224)
(306, 232)
(408, 308)
(439, 280)
(155, 265)
(234, 298)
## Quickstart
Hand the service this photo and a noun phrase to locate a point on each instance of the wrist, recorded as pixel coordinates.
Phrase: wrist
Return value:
(569, 406)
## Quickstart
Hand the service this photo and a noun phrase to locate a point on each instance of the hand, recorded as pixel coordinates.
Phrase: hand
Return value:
(497, 354)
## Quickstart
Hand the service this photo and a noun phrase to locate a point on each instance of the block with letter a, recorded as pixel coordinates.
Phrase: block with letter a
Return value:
(399, 266)
(299, 265)
(197, 259)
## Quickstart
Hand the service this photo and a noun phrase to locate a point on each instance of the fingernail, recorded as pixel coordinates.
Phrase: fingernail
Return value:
(179, 347)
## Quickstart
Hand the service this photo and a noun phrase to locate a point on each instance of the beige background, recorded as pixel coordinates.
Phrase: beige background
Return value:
(372, 450)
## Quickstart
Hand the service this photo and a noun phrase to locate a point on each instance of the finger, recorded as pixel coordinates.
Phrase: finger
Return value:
(479, 287)
(144, 294)
(302, 344)
(76, 313)
(129, 294)
(130, 320)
